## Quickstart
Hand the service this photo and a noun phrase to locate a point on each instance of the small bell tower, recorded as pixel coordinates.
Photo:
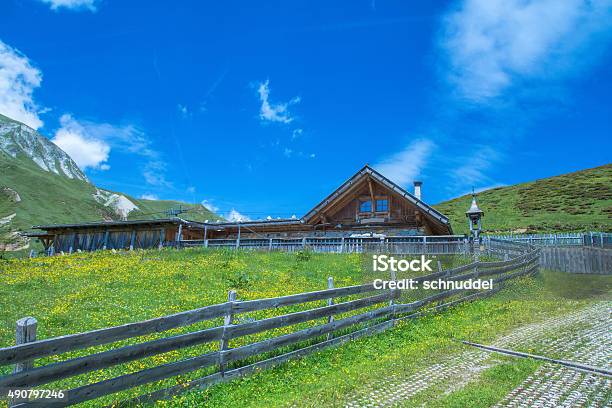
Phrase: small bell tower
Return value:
(474, 215)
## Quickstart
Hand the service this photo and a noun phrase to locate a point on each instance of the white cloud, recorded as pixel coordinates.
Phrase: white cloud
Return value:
(479, 190)
(235, 216)
(472, 172)
(490, 187)
(494, 44)
(406, 165)
(72, 4)
(191, 189)
(287, 152)
(155, 174)
(278, 112)
(18, 79)
(209, 204)
(183, 110)
(148, 196)
(127, 138)
(86, 150)
(296, 133)
(90, 143)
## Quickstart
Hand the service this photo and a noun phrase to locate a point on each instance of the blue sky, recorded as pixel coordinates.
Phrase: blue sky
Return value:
(266, 107)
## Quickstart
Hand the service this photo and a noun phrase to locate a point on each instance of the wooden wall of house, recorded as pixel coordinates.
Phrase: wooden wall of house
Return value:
(138, 237)
(399, 211)
(404, 212)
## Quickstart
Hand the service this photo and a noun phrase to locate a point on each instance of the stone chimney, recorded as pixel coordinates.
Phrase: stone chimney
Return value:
(417, 189)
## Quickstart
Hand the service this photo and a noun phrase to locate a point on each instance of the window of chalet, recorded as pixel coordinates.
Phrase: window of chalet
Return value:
(365, 206)
(382, 205)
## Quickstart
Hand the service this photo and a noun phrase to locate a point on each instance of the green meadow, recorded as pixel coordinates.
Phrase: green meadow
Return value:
(86, 291)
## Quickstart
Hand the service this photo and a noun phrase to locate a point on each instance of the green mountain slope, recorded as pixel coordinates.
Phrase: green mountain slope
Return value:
(579, 201)
(40, 184)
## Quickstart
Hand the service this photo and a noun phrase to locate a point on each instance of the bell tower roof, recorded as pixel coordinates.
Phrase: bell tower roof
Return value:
(474, 209)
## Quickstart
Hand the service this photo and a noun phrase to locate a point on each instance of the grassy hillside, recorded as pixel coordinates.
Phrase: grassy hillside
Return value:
(579, 201)
(157, 209)
(46, 198)
(31, 195)
(42, 196)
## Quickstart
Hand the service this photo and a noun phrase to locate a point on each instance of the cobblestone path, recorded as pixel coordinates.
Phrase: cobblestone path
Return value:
(583, 336)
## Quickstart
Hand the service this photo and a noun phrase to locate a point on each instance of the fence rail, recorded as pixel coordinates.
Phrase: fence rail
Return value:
(451, 244)
(438, 245)
(379, 308)
(411, 244)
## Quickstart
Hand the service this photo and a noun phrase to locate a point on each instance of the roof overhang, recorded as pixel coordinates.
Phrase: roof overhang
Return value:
(119, 224)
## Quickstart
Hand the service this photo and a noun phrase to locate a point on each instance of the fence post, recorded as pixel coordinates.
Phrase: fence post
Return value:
(25, 332)
(392, 300)
(342, 245)
(227, 321)
(238, 237)
(330, 302)
(587, 257)
(439, 266)
(162, 235)
(270, 245)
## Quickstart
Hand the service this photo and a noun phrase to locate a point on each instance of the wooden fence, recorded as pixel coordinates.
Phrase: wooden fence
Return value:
(502, 248)
(594, 239)
(372, 311)
(577, 259)
(439, 245)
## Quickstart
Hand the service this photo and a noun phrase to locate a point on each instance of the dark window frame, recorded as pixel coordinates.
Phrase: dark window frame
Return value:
(367, 203)
(382, 205)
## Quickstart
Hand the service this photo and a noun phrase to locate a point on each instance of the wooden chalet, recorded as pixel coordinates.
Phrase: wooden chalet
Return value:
(367, 204)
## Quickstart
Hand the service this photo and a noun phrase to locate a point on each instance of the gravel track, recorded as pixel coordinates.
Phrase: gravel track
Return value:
(583, 336)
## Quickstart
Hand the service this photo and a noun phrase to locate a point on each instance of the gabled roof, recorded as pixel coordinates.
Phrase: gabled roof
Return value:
(368, 171)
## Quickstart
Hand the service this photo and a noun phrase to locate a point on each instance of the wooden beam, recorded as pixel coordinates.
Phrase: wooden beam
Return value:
(132, 239)
(343, 199)
(373, 206)
(179, 233)
(162, 238)
(105, 246)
